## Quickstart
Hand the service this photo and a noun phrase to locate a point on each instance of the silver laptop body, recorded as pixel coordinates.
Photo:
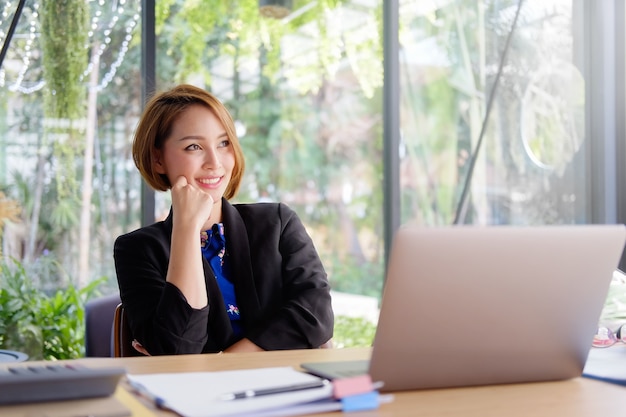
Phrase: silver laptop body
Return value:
(471, 305)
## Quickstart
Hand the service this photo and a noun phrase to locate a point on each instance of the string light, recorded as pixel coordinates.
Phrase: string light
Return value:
(5, 14)
(118, 7)
(28, 51)
(108, 77)
(26, 56)
(130, 26)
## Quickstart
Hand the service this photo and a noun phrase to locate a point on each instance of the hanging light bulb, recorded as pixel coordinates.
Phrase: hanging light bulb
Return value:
(276, 9)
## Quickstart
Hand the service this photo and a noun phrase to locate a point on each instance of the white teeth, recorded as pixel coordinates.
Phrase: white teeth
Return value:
(209, 181)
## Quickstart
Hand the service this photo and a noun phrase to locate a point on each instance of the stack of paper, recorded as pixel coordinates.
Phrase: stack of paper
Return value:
(607, 364)
(277, 391)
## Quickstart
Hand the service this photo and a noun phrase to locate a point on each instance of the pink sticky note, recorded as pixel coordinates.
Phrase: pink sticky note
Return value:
(344, 387)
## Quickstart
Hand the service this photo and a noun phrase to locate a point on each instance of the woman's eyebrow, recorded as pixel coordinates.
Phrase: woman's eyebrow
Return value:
(200, 137)
(191, 137)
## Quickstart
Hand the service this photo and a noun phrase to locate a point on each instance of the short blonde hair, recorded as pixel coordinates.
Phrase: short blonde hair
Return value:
(155, 125)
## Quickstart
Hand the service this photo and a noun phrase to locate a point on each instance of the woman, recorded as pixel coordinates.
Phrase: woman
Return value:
(214, 276)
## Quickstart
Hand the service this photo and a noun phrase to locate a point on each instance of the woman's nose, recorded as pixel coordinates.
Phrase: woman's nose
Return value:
(211, 160)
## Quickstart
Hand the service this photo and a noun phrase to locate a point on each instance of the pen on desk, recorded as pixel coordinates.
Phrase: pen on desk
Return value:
(143, 392)
(274, 390)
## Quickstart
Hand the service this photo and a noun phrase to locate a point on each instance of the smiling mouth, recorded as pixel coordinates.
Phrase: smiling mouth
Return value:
(209, 181)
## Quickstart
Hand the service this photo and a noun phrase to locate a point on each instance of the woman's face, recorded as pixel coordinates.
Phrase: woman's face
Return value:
(198, 148)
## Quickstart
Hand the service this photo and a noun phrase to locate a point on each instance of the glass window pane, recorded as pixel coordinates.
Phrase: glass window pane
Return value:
(306, 93)
(518, 148)
(76, 186)
(305, 90)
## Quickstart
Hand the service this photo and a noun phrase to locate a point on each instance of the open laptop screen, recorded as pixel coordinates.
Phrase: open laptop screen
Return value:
(471, 305)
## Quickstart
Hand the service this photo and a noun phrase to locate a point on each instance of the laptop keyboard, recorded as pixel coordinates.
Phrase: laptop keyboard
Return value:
(26, 384)
(337, 369)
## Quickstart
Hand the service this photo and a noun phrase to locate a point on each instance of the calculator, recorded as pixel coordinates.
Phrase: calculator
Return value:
(56, 381)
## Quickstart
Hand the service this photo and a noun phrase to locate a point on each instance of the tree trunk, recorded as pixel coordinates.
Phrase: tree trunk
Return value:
(31, 241)
(85, 213)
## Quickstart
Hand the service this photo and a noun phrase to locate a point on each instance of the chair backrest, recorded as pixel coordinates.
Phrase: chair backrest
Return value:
(122, 338)
(99, 314)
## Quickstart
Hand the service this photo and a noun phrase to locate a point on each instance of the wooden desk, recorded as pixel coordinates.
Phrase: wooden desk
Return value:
(579, 397)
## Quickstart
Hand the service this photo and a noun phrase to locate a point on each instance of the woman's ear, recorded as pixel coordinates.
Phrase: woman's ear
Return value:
(159, 167)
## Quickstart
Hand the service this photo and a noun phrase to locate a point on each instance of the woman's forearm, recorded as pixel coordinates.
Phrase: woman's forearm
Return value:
(185, 267)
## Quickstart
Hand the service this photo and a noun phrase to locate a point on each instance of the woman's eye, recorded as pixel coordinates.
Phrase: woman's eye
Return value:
(193, 147)
(224, 144)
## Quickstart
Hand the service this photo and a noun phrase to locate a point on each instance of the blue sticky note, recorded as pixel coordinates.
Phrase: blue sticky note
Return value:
(359, 402)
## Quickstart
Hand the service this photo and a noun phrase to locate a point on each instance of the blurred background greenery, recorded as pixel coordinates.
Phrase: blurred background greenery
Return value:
(307, 92)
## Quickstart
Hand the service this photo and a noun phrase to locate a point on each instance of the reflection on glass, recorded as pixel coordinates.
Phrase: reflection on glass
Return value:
(306, 91)
(528, 165)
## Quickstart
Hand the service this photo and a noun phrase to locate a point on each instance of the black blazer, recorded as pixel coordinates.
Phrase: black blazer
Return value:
(281, 286)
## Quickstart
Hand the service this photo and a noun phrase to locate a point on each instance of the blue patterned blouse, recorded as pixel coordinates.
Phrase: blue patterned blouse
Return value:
(213, 243)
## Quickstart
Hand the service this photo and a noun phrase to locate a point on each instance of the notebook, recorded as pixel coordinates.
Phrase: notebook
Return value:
(473, 305)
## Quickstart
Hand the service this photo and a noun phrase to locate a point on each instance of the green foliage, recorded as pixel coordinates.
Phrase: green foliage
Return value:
(203, 32)
(43, 326)
(353, 276)
(64, 214)
(61, 216)
(614, 312)
(353, 332)
(65, 58)
(64, 27)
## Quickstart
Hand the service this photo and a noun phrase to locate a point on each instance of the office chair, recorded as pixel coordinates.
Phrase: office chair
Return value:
(122, 337)
(99, 314)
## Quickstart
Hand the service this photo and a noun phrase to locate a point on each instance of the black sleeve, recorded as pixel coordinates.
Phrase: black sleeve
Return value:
(305, 317)
(158, 313)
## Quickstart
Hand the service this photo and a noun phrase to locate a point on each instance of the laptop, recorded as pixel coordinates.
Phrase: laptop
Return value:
(473, 305)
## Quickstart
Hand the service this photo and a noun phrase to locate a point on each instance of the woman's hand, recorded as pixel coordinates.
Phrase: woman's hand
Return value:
(191, 206)
(244, 345)
(139, 347)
